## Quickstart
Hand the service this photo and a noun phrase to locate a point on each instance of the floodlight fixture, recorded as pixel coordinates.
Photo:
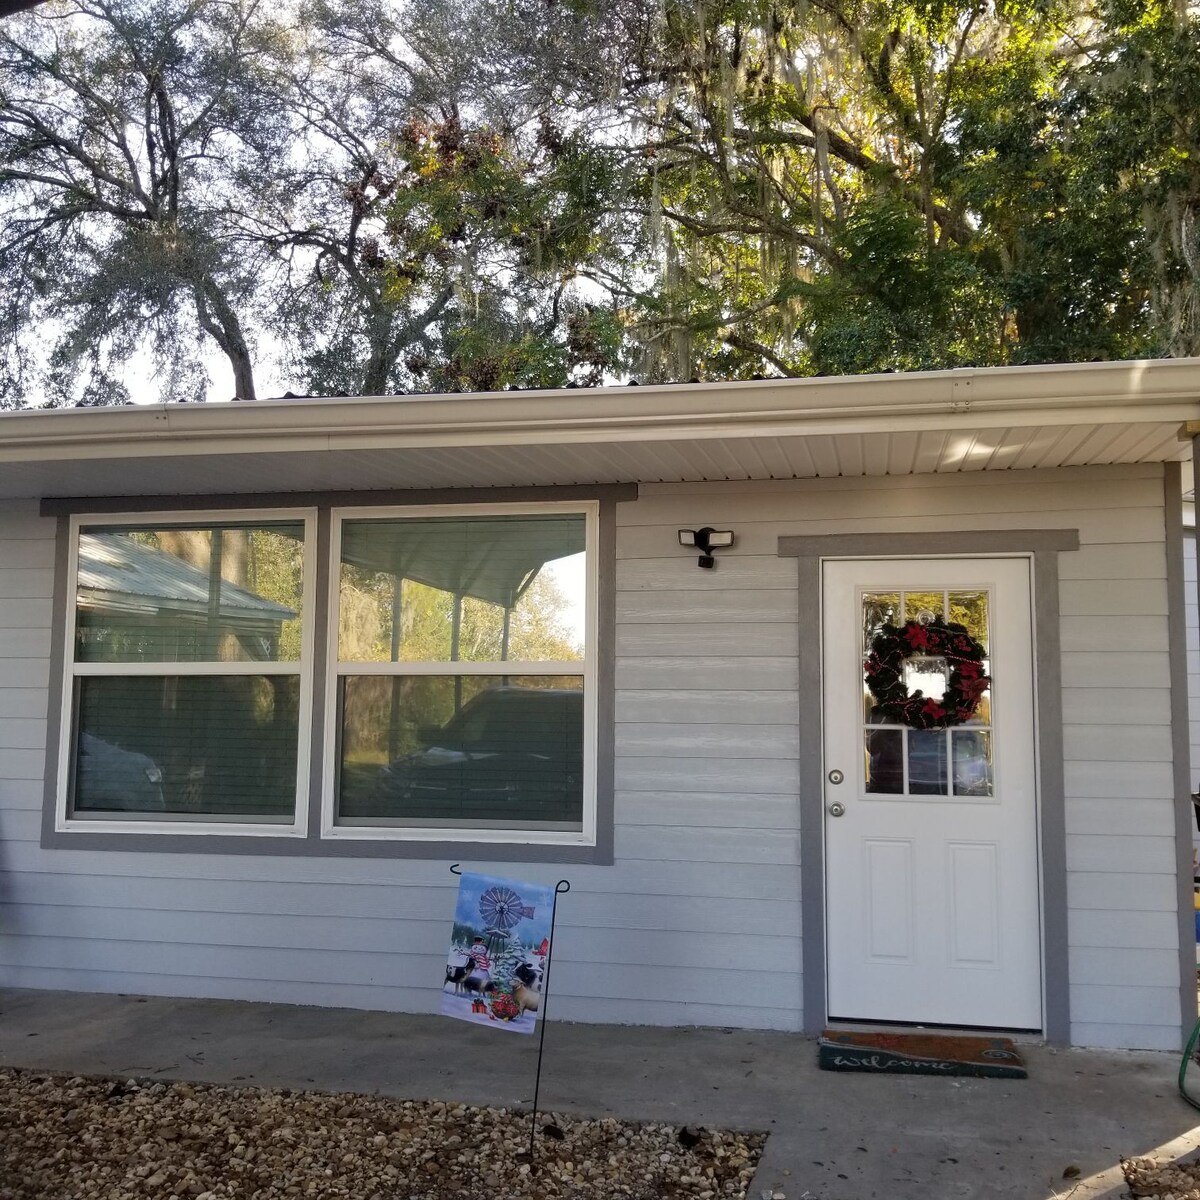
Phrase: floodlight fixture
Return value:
(706, 540)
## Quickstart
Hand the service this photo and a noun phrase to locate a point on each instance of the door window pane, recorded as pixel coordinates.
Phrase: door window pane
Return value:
(928, 674)
(214, 594)
(933, 762)
(211, 745)
(924, 606)
(885, 761)
(484, 751)
(463, 589)
(927, 762)
(971, 610)
(879, 609)
(972, 762)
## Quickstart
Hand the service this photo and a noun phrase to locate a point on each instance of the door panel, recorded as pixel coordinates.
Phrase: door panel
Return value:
(932, 889)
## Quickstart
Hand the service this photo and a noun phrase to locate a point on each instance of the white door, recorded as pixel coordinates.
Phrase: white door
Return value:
(932, 898)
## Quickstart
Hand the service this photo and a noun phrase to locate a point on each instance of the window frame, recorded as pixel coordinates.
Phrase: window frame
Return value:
(184, 837)
(586, 837)
(189, 824)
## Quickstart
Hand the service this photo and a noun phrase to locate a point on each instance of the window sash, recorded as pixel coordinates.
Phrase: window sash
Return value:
(66, 820)
(332, 826)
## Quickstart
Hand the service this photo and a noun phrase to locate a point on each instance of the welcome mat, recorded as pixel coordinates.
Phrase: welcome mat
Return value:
(920, 1054)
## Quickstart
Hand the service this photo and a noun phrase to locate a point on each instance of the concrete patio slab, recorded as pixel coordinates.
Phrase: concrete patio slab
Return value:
(833, 1136)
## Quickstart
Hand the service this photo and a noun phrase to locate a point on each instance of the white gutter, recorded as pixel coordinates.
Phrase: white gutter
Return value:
(1155, 391)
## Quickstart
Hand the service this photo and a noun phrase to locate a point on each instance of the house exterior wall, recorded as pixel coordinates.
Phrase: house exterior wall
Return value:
(698, 919)
(1193, 650)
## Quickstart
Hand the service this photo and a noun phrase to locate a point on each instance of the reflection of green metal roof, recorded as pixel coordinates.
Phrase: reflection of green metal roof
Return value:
(117, 574)
(491, 558)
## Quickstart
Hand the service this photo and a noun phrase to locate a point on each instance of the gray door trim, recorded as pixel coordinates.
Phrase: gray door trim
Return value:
(1181, 750)
(1041, 545)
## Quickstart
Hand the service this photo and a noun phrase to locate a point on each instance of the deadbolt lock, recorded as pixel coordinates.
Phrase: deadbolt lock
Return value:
(835, 776)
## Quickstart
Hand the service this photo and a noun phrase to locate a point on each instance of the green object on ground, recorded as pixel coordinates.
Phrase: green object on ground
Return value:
(1183, 1066)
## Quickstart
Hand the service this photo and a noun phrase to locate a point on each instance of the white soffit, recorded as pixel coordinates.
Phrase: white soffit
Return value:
(929, 422)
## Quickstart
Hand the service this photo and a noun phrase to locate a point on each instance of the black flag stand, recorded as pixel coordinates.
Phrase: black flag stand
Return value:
(560, 888)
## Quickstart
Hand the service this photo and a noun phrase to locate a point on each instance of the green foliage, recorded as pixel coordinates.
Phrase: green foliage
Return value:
(483, 194)
(850, 187)
(502, 228)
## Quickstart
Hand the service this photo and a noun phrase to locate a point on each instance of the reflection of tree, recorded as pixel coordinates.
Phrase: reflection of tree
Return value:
(264, 561)
(374, 628)
(970, 609)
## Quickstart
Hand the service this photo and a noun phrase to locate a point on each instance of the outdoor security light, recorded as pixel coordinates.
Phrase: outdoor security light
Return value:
(706, 540)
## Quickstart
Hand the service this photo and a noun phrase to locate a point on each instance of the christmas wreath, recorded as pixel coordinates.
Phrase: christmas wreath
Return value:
(894, 645)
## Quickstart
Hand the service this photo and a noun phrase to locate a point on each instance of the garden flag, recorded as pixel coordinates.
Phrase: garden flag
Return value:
(498, 952)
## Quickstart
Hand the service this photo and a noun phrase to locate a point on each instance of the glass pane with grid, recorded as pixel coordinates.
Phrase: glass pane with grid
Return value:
(437, 733)
(223, 593)
(927, 762)
(185, 680)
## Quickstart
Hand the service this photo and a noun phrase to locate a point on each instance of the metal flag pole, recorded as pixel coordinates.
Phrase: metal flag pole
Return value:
(562, 886)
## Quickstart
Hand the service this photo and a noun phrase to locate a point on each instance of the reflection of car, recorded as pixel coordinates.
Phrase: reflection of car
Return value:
(511, 753)
(115, 780)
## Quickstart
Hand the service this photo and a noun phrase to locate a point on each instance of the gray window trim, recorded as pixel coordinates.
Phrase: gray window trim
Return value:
(313, 845)
(1043, 546)
(57, 506)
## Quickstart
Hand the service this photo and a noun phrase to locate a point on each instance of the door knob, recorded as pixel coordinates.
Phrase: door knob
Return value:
(837, 809)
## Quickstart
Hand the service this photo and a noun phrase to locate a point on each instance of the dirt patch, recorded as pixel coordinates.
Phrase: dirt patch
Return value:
(78, 1139)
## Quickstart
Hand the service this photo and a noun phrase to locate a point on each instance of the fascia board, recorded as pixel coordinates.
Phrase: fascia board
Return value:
(1056, 395)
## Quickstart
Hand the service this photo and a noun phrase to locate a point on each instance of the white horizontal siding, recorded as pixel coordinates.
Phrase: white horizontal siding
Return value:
(1106, 1036)
(1121, 852)
(16, 701)
(1081, 632)
(23, 583)
(24, 643)
(1193, 639)
(691, 809)
(699, 920)
(723, 706)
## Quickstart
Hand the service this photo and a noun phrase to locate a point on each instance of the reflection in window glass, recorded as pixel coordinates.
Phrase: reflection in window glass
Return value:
(461, 749)
(878, 609)
(924, 606)
(885, 761)
(972, 762)
(927, 762)
(463, 589)
(211, 745)
(970, 609)
(929, 674)
(214, 594)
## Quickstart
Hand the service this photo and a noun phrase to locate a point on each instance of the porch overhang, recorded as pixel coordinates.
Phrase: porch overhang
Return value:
(915, 423)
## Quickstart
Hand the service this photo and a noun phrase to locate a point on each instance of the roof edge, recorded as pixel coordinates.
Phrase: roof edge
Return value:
(1158, 389)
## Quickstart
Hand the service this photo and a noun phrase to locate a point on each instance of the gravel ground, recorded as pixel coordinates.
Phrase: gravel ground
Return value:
(100, 1139)
(1167, 1181)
